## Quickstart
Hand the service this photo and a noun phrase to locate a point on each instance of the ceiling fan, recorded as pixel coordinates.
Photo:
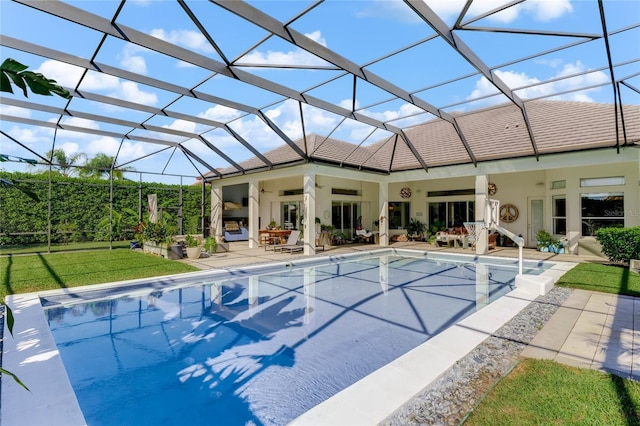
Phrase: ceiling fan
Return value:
(264, 191)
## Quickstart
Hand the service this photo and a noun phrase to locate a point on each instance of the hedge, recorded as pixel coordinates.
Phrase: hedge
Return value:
(80, 208)
(620, 244)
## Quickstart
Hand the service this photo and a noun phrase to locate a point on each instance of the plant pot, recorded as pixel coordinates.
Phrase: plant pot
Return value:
(194, 252)
(151, 247)
(175, 252)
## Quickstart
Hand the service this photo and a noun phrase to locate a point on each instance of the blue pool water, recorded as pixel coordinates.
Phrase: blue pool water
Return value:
(259, 348)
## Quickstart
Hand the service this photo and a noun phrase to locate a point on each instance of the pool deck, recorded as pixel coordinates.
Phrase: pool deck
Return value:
(590, 330)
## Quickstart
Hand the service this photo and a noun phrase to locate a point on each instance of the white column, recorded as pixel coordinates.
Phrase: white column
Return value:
(309, 227)
(254, 214)
(216, 212)
(383, 214)
(482, 246)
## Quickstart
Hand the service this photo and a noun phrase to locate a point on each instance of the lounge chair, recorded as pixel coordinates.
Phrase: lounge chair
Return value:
(291, 245)
(364, 235)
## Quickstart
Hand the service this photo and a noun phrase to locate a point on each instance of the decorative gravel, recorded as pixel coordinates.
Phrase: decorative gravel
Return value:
(449, 399)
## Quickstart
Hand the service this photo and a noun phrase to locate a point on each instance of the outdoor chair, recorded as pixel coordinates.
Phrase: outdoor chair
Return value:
(291, 244)
(364, 235)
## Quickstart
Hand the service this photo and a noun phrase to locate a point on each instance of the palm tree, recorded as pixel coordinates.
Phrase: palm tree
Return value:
(64, 163)
(100, 166)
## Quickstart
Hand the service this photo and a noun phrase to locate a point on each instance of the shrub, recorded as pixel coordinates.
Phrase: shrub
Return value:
(620, 244)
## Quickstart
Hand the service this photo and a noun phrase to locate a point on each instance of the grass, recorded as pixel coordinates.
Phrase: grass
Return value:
(59, 247)
(29, 273)
(603, 278)
(540, 392)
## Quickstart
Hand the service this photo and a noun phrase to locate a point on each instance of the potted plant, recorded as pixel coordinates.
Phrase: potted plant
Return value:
(543, 240)
(194, 249)
(210, 245)
(154, 236)
(416, 229)
(176, 250)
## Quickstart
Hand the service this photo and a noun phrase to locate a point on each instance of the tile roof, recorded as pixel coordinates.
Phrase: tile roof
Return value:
(494, 133)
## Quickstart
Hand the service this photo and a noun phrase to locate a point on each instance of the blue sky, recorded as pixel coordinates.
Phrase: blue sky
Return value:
(362, 31)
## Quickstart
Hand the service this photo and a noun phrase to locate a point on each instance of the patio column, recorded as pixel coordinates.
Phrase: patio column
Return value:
(482, 182)
(383, 225)
(309, 227)
(216, 212)
(254, 214)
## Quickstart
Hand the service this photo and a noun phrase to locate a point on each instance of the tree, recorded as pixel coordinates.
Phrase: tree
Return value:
(12, 70)
(100, 166)
(64, 163)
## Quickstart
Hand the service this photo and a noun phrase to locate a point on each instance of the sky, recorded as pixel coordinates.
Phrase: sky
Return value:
(364, 32)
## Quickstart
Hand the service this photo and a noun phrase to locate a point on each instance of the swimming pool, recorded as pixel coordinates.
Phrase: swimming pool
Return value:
(261, 347)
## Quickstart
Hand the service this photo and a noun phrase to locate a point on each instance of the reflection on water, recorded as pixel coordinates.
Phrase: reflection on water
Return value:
(260, 349)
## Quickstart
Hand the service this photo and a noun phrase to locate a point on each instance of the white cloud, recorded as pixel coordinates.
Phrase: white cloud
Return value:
(131, 60)
(70, 148)
(64, 74)
(130, 91)
(541, 89)
(547, 10)
(317, 37)
(15, 111)
(541, 10)
(80, 122)
(108, 145)
(97, 81)
(296, 56)
(185, 38)
(220, 113)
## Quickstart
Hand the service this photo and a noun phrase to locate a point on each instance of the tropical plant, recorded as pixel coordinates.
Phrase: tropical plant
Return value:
(102, 166)
(156, 232)
(210, 245)
(416, 227)
(12, 70)
(63, 162)
(123, 225)
(191, 241)
(543, 238)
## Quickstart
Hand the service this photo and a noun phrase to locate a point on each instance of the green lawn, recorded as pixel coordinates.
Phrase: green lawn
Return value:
(541, 392)
(604, 278)
(59, 247)
(28, 273)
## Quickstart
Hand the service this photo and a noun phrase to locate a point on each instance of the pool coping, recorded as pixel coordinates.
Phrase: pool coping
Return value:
(33, 356)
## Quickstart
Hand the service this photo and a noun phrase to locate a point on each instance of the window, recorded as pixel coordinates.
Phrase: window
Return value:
(605, 181)
(559, 215)
(451, 213)
(559, 184)
(290, 214)
(601, 210)
(399, 215)
(344, 215)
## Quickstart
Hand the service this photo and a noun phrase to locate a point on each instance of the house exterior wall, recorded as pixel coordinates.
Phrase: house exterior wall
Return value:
(573, 192)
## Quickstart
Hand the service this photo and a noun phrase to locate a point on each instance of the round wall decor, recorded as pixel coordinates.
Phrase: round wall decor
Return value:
(492, 188)
(508, 213)
(405, 192)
